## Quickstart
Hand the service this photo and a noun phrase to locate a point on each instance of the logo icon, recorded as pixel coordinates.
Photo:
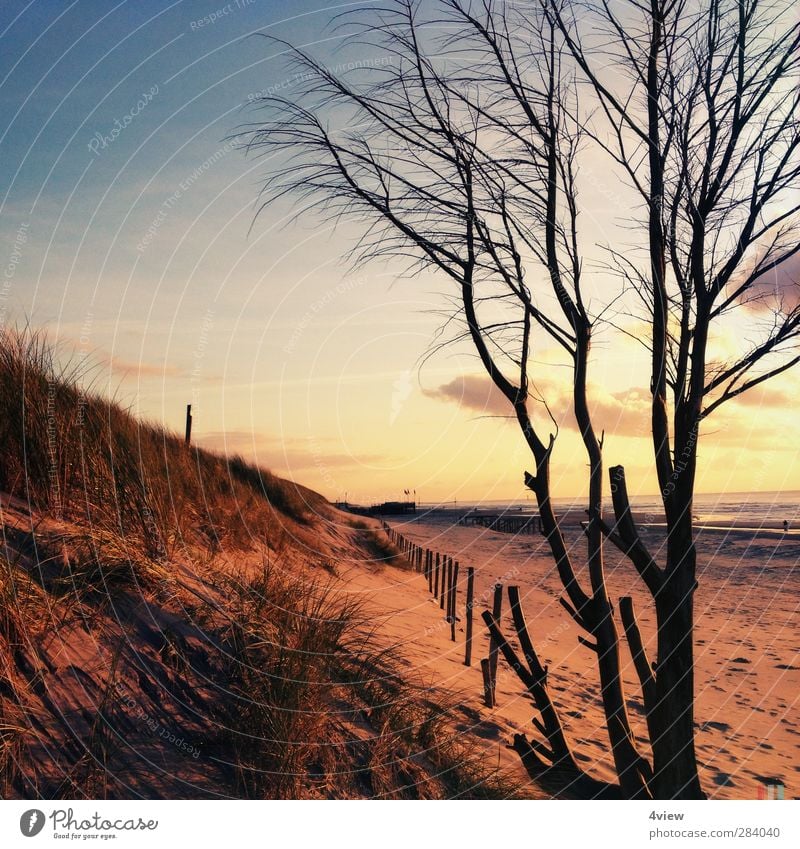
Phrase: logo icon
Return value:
(401, 391)
(31, 822)
(771, 790)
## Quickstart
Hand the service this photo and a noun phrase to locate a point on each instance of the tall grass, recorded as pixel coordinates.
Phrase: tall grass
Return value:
(69, 451)
(305, 679)
(308, 710)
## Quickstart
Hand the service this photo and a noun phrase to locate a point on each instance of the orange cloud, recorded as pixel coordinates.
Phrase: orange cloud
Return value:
(282, 452)
(622, 413)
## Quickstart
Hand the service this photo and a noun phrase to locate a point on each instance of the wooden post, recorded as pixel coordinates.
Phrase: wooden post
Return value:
(494, 648)
(470, 603)
(453, 602)
(447, 567)
(436, 579)
(448, 594)
(188, 436)
(448, 602)
(488, 695)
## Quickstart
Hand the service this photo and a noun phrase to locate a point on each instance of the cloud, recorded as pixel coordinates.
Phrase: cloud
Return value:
(767, 396)
(142, 369)
(622, 413)
(293, 453)
(474, 392)
(126, 369)
(781, 285)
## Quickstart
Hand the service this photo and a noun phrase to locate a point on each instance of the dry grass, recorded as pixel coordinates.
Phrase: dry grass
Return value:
(306, 684)
(308, 709)
(66, 450)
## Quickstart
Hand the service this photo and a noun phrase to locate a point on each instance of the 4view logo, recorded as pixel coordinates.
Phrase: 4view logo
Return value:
(771, 790)
(31, 822)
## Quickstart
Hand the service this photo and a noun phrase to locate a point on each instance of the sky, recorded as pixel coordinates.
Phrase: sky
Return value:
(128, 232)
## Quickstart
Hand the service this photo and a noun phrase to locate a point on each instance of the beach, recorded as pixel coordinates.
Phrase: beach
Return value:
(747, 647)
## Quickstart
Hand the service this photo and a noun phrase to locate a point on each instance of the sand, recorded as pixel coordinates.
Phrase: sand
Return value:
(747, 647)
(748, 661)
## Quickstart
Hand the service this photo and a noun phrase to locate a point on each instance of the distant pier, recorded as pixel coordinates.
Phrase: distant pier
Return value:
(503, 522)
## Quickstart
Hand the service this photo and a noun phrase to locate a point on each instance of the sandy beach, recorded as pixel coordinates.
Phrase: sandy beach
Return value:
(747, 646)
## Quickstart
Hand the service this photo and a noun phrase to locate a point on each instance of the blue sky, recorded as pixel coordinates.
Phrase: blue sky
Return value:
(139, 243)
(127, 231)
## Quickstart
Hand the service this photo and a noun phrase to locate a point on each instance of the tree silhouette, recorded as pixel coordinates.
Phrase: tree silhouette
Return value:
(462, 154)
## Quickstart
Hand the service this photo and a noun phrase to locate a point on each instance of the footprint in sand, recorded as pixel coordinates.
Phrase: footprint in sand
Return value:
(716, 726)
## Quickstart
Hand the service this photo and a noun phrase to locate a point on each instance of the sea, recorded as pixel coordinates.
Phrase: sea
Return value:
(756, 511)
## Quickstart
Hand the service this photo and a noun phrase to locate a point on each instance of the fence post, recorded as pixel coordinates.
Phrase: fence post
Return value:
(494, 649)
(453, 602)
(488, 695)
(436, 581)
(470, 602)
(447, 571)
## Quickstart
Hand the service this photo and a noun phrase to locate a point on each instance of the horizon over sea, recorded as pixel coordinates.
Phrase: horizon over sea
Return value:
(756, 510)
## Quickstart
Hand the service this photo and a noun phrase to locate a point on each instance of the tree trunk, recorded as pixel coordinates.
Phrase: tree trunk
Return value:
(675, 773)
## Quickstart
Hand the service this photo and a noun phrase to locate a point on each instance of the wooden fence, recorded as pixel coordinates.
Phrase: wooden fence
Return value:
(447, 582)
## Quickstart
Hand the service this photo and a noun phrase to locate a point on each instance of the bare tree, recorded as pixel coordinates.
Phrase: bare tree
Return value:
(461, 155)
(705, 129)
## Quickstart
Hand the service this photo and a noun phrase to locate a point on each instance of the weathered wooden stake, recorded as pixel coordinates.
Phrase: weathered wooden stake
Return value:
(436, 579)
(453, 603)
(494, 648)
(188, 424)
(470, 603)
(444, 587)
(488, 695)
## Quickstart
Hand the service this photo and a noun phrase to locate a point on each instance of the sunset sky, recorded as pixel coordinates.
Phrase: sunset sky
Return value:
(128, 232)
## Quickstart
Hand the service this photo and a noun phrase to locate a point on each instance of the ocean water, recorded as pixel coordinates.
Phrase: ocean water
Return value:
(740, 510)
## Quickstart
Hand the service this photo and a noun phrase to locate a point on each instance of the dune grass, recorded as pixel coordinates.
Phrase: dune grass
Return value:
(309, 709)
(317, 713)
(67, 450)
